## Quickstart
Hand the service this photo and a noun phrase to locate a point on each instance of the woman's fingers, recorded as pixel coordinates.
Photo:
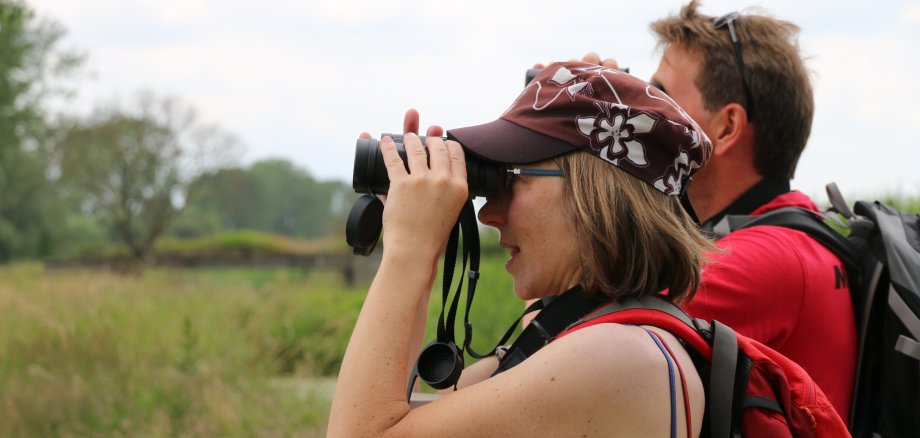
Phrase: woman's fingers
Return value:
(438, 156)
(457, 160)
(420, 158)
(391, 159)
(591, 58)
(410, 121)
(435, 131)
(611, 64)
(415, 154)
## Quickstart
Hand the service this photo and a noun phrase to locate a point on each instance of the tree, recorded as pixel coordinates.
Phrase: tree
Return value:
(273, 196)
(32, 67)
(134, 167)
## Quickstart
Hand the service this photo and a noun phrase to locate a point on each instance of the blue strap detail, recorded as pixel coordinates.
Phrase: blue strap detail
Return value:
(671, 383)
(535, 172)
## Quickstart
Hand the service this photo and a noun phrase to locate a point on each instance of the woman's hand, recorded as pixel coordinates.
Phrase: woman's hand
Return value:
(423, 203)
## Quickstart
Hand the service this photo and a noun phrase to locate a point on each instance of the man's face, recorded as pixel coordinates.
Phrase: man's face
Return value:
(676, 75)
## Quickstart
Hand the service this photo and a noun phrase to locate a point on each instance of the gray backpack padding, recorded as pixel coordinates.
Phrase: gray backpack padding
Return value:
(882, 255)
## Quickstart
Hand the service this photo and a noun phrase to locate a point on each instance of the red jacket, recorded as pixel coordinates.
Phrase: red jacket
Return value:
(786, 290)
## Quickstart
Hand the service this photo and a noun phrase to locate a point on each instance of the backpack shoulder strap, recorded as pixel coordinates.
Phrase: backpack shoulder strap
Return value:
(651, 311)
(717, 343)
(806, 221)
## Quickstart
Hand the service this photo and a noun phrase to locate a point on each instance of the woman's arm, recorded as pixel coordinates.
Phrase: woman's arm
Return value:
(411, 124)
(422, 206)
(607, 380)
(600, 381)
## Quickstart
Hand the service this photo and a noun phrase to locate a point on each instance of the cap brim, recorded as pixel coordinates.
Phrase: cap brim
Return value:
(506, 142)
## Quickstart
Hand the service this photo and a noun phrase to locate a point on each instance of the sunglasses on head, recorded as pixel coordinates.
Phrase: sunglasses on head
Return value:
(728, 20)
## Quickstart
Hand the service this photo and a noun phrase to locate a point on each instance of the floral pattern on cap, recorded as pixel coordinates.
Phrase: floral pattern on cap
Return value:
(613, 133)
(608, 113)
(682, 166)
(617, 117)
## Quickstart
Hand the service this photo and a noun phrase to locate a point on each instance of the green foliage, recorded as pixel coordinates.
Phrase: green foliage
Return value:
(134, 167)
(272, 196)
(26, 205)
(249, 240)
(902, 202)
(31, 64)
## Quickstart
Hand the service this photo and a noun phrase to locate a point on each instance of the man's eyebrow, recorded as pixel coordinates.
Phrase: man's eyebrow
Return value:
(658, 85)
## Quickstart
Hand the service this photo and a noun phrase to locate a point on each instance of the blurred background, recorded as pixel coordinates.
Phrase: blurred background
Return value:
(174, 177)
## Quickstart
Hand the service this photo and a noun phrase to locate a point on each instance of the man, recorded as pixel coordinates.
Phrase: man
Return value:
(741, 77)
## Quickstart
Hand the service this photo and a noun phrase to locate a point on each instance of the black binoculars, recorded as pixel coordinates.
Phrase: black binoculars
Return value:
(484, 178)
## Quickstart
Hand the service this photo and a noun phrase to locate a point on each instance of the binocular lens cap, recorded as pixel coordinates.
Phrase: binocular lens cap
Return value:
(440, 364)
(362, 231)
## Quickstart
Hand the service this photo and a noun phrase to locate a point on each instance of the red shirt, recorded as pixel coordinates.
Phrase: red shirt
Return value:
(779, 286)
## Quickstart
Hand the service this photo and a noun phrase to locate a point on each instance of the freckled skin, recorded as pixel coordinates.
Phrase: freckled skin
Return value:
(524, 218)
(612, 394)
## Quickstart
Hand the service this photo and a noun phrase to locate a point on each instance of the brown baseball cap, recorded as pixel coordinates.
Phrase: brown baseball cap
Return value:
(608, 113)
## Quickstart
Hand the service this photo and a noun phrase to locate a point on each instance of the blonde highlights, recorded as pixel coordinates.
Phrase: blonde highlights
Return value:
(633, 239)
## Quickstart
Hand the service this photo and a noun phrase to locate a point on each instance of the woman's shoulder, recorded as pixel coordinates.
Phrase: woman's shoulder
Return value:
(607, 368)
(622, 366)
(626, 351)
(619, 364)
(603, 380)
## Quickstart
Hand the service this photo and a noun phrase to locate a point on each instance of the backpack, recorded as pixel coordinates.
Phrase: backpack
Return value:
(751, 390)
(881, 253)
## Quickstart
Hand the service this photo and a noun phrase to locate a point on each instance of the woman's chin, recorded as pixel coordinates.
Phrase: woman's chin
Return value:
(527, 293)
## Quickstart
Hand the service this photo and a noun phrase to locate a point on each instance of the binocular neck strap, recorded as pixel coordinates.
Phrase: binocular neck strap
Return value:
(446, 340)
(558, 313)
(467, 227)
(471, 249)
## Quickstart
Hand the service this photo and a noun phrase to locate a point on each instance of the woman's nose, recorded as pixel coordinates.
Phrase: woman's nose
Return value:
(493, 212)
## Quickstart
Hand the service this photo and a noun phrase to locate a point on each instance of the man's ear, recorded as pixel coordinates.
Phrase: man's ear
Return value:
(729, 126)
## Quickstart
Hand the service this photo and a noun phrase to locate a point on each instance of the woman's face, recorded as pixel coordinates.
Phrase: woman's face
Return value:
(535, 228)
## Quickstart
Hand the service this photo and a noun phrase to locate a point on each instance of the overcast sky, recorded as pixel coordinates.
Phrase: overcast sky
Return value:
(301, 79)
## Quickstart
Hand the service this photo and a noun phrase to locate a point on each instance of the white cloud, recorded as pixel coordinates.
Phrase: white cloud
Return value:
(868, 105)
(300, 79)
(911, 14)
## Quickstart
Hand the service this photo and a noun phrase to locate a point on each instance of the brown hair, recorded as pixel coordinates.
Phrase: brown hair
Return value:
(633, 239)
(777, 77)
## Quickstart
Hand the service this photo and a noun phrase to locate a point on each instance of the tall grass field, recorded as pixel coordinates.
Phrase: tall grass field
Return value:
(222, 352)
(195, 352)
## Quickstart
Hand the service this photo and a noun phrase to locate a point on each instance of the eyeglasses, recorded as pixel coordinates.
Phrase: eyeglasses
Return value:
(534, 172)
(729, 21)
(513, 172)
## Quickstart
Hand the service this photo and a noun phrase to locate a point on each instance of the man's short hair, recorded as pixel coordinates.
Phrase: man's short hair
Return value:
(776, 75)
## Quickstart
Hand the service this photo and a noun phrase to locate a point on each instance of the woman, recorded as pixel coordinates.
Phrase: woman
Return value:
(603, 216)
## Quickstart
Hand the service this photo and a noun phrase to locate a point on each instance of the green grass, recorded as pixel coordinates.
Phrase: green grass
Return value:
(226, 242)
(250, 240)
(174, 353)
(220, 352)
(206, 352)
